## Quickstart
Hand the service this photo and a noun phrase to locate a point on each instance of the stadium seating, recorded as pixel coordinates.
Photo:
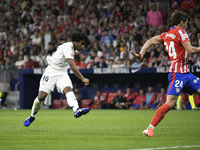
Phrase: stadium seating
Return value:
(57, 104)
(111, 96)
(86, 103)
(64, 102)
(105, 94)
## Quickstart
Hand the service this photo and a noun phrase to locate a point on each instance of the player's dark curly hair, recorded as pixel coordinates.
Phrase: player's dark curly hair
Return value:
(79, 36)
(178, 16)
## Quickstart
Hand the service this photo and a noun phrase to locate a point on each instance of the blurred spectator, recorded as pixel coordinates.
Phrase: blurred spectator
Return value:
(91, 64)
(121, 46)
(36, 25)
(144, 63)
(41, 58)
(124, 55)
(140, 20)
(3, 33)
(92, 36)
(151, 97)
(161, 55)
(136, 64)
(12, 46)
(130, 43)
(2, 67)
(118, 100)
(114, 56)
(20, 63)
(187, 4)
(15, 55)
(21, 27)
(197, 20)
(96, 58)
(29, 62)
(106, 40)
(125, 28)
(99, 100)
(47, 37)
(128, 64)
(115, 29)
(101, 63)
(104, 53)
(198, 61)
(36, 38)
(136, 46)
(116, 41)
(111, 63)
(82, 64)
(119, 64)
(154, 62)
(161, 98)
(33, 55)
(165, 62)
(61, 25)
(9, 65)
(129, 97)
(152, 54)
(140, 100)
(154, 17)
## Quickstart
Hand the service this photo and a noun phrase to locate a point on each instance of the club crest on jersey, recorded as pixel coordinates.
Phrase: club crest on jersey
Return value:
(72, 54)
(177, 90)
(185, 35)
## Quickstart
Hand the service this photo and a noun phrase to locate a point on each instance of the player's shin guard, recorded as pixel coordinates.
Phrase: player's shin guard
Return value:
(160, 114)
(36, 106)
(72, 101)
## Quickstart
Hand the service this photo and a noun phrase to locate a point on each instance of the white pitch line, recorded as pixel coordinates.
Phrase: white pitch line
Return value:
(174, 147)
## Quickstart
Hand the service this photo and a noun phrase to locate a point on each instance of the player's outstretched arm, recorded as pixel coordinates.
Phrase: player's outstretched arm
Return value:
(191, 49)
(153, 41)
(77, 72)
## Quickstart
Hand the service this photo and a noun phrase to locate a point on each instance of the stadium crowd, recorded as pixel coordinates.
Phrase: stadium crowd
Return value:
(31, 29)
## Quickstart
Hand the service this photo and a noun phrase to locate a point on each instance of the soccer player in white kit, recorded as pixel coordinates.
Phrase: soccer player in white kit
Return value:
(56, 75)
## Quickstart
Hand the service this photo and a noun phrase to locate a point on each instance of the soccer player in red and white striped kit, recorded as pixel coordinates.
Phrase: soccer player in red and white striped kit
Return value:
(178, 46)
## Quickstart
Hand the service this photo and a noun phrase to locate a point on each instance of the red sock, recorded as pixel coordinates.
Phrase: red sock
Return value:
(160, 114)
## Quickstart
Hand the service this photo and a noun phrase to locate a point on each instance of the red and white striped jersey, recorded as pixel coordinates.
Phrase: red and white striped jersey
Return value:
(173, 41)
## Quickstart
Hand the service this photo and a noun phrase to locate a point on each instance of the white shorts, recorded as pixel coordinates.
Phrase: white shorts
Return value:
(51, 78)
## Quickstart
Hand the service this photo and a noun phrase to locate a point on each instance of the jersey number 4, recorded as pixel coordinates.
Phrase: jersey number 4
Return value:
(171, 49)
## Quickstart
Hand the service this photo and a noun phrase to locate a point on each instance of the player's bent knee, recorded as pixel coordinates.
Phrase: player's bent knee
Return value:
(42, 95)
(67, 89)
(198, 92)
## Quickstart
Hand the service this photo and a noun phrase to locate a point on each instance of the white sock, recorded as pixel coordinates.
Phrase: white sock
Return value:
(72, 101)
(151, 126)
(36, 106)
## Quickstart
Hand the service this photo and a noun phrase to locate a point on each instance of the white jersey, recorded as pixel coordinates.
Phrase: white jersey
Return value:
(58, 59)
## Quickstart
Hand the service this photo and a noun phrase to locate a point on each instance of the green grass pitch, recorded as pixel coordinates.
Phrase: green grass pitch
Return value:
(98, 130)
